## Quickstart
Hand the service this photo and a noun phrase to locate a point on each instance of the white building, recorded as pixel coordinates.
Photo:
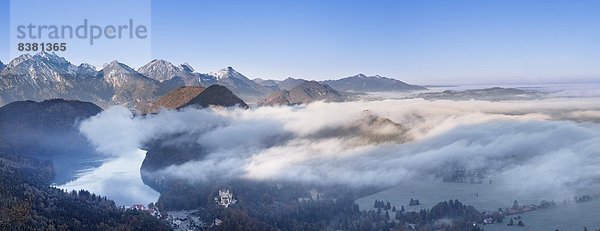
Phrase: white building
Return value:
(225, 198)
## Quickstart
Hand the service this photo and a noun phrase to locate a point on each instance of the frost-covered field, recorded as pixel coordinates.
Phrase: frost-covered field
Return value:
(568, 216)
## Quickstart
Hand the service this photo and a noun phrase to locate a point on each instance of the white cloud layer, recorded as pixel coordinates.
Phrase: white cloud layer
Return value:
(533, 142)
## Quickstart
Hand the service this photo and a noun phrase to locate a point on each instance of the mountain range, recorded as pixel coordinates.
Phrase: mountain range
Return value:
(304, 93)
(165, 71)
(357, 83)
(47, 76)
(289, 83)
(240, 84)
(44, 76)
(273, 84)
(363, 83)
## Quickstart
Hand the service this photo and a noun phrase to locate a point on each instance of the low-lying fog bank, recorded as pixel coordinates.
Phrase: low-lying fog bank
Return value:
(547, 144)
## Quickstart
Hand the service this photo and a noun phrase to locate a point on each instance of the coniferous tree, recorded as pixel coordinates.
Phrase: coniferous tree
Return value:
(388, 206)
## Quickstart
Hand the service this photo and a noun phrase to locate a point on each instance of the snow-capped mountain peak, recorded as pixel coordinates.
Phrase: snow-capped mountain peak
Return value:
(239, 83)
(158, 64)
(87, 66)
(117, 73)
(85, 69)
(228, 73)
(123, 77)
(18, 60)
(43, 66)
(186, 67)
(116, 66)
(161, 70)
(50, 56)
(47, 75)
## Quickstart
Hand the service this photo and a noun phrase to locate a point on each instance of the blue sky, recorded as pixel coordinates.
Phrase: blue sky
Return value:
(425, 42)
(76, 13)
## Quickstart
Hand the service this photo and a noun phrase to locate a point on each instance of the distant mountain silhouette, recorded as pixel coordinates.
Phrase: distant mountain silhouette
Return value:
(306, 92)
(363, 83)
(175, 99)
(488, 94)
(216, 95)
